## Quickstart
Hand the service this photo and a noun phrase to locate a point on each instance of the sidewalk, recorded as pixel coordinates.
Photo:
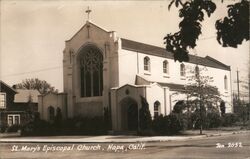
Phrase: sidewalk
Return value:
(118, 139)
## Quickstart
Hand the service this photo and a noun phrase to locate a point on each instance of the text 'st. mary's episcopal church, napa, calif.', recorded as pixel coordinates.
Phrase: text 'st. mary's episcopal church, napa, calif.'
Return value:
(102, 70)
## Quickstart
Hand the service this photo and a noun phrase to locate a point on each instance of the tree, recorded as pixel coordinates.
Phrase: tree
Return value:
(34, 83)
(145, 119)
(222, 108)
(231, 30)
(201, 94)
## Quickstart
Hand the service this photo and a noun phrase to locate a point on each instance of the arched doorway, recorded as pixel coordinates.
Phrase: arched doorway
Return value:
(129, 114)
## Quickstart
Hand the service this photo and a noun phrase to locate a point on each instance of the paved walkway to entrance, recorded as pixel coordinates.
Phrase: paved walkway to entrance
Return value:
(118, 139)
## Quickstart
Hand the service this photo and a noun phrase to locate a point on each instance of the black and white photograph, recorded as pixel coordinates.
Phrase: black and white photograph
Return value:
(129, 79)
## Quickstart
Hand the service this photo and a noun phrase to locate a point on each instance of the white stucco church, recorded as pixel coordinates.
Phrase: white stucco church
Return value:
(102, 70)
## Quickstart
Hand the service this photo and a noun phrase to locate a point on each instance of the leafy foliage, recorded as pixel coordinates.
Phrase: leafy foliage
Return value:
(231, 31)
(145, 119)
(192, 13)
(71, 126)
(201, 96)
(34, 83)
(179, 107)
(199, 90)
(222, 108)
(167, 125)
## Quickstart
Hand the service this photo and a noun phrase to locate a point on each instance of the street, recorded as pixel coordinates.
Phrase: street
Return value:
(235, 146)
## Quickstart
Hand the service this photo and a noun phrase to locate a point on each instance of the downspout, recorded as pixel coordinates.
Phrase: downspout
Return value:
(137, 62)
(165, 102)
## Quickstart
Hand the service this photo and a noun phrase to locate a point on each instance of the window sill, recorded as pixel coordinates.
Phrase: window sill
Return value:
(183, 78)
(166, 76)
(147, 73)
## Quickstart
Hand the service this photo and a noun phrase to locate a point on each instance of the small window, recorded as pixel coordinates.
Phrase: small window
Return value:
(157, 111)
(165, 67)
(182, 70)
(2, 100)
(225, 83)
(13, 119)
(147, 64)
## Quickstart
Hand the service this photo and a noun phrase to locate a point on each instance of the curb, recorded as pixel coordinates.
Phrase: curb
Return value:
(110, 139)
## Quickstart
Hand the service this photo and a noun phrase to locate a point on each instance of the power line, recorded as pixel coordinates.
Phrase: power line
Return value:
(34, 71)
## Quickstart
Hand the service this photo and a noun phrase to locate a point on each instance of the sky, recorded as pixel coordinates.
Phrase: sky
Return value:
(33, 34)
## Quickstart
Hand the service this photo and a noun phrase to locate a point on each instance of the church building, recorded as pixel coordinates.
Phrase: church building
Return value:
(102, 70)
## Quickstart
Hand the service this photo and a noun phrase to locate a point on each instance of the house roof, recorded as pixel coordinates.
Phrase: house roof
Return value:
(24, 95)
(9, 87)
(161, 52)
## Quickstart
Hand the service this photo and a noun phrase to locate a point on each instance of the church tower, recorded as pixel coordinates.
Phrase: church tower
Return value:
(90, 63)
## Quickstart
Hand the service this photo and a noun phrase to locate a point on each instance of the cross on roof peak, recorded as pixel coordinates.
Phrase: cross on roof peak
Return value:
(88, 12)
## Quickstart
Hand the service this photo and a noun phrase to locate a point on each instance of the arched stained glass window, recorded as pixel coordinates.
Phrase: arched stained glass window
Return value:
(91, 68)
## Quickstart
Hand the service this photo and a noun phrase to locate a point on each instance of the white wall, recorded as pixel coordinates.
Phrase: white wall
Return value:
(155, 93)
(131, 64)
(54, 100)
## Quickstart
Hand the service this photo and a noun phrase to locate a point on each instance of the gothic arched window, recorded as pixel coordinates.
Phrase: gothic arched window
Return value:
(91, 67)
(225, 83)
(147, 63)
(157, 108)
(182, 70)
(165, 67)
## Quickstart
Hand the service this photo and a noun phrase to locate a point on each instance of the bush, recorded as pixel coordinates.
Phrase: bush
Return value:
(3, 128)
(38, 128)
(73, 126)
(229, 119)
(13, 128)
(168, 125)
(145, 119)
(212, 120)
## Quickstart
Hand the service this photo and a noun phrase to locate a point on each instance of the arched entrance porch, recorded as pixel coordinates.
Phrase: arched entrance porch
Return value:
(129, 114)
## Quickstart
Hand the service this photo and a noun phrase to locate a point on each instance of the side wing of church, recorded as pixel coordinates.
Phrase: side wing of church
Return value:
(101, 70)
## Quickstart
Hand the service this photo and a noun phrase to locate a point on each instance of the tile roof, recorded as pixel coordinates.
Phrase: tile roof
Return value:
(161, 52)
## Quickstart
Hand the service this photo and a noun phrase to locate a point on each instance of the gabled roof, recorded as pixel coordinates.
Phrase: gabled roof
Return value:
(171, 86)
(161, 52)
(24, 95)
(88, 22)
(9, 87)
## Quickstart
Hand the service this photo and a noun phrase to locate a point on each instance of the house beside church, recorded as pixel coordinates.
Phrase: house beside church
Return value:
(102, 70)
(17, 106)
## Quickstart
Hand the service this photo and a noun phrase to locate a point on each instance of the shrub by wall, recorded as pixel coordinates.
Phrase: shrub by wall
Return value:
(167, 125)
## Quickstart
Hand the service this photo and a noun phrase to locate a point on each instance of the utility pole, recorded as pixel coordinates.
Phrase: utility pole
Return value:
(238, 85)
